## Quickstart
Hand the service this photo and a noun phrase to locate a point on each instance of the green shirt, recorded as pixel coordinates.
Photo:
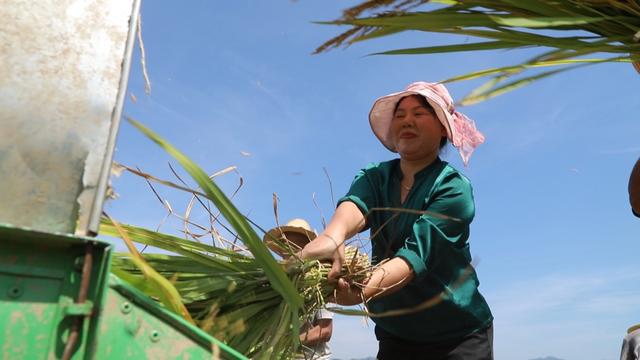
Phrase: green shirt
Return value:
(435, 247)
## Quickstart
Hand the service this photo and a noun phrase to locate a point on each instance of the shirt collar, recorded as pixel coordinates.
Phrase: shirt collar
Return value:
(422, 172)
(427, 169)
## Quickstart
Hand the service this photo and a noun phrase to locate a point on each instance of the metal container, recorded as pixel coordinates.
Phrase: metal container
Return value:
(64, 67)
(40, 279)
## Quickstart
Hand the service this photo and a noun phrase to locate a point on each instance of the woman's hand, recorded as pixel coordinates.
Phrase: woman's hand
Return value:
(347, 295)
(323, 247)
(386, 279)
(326, 247)
(329, 245)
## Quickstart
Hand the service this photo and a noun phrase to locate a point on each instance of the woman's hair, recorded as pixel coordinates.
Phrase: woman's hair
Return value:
(425, 104)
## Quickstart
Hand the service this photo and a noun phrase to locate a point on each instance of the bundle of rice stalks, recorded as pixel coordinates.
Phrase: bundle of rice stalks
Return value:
(566, 31)
(246, 299)
(229, 295)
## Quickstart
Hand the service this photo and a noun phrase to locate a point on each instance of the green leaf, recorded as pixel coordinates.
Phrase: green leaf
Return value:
(517, 68)
(608, 27)
(438, 20)
(490, 45)
(486, 87)
(193, 250)
(522, 37)
(273, 270)
(537, 7)
(445, 2)
(138, 282)
(379, 32)
(159, 285)
(479, 97)
(186, 265)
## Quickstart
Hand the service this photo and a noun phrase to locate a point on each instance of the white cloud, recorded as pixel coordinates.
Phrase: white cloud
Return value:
(572, 316)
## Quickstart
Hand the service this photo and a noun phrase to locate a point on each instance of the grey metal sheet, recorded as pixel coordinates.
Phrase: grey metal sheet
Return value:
(62, 81)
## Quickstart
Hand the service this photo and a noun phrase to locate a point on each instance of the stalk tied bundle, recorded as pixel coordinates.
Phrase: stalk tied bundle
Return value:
(241, 296)
(228, 294)
(314, 285)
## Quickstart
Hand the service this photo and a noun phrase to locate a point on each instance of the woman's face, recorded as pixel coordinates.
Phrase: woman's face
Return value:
(415, 130)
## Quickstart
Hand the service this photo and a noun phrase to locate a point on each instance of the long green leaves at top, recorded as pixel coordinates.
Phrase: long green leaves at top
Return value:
(589, 26)
(211, 257)
(273, 271)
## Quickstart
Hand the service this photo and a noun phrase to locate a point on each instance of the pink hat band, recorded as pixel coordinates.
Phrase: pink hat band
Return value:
(461, 130)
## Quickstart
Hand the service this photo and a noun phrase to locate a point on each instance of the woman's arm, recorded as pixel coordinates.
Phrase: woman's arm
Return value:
(345, 223)
(453, 201)
(319, 333)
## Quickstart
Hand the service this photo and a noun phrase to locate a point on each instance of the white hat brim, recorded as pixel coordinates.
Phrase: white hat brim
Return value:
(382, 110)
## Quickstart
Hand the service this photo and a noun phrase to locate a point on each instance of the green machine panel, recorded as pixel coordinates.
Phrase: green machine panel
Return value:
(40, 282)
(40, 276)
(29, 324)
(132, 326)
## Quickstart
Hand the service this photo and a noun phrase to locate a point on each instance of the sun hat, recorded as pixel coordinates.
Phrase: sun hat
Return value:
(461, 130)
(289, 238)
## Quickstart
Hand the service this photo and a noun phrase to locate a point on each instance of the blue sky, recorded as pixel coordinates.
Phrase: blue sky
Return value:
(234, 84)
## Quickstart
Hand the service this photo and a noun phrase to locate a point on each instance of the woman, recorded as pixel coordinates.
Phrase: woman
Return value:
(424, 273)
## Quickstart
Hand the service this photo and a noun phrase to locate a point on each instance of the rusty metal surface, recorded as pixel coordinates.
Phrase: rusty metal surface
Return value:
(61, 72)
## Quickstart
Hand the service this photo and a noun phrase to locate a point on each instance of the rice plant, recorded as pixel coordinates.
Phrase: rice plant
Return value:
(246, 298)
(235, 289)
(228, 293)
(569, 33)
